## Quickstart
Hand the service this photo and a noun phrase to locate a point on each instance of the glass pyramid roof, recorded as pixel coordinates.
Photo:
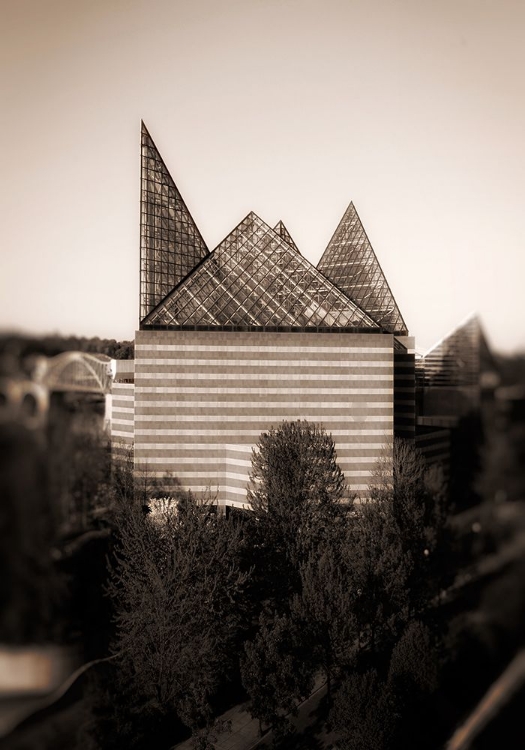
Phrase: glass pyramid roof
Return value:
(349, 262)
(170, 243)
(255, 278)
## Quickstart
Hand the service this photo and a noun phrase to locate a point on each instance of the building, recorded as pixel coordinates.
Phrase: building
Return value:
(455, 384)
(453, 378)
(234, 341)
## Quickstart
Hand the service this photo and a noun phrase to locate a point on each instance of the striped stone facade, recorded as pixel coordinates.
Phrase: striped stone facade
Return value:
(202, 399)
(122, 405)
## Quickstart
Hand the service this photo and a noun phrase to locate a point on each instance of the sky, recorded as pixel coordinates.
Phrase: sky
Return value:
(412, 109)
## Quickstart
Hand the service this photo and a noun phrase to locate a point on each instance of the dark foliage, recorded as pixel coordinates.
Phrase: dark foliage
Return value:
(295, 491)
(413, 681)
(20, 346)
(117, 715)
(304, 583)
(379, 575)
(326, 608)
(85, 610)
(30, 587)
(511, 368)
(414, 508)
(276, 671)
(177, 592)
(363, 712)
(466, 460)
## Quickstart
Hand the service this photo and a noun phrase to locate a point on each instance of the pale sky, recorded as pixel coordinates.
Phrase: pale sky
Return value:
(413, 109)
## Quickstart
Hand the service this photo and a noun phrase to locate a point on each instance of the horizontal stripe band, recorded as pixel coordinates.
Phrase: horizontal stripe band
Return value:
(260, 349)
(278, 391)
(344, 362)
(280, 412)
(285, 374)
(237, 432)
(372, 447)
(240, 418)
(175, 403)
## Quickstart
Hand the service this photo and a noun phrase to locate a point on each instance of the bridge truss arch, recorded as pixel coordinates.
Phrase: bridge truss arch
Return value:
(80, 372)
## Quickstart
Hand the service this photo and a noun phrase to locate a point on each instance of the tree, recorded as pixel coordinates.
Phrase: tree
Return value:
(177, 591)
(137, 485)
(412, 499)
(325, 607)
(275, 672)
(378, 573)
(413, 682)
(295, 491)
(363, 712)
(414, 662)
(295, 464)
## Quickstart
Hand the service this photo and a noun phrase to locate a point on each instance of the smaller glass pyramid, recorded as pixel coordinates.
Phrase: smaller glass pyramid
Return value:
(349, 262)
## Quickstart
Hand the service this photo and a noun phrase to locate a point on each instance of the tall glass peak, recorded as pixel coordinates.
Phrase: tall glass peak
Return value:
(170, 242)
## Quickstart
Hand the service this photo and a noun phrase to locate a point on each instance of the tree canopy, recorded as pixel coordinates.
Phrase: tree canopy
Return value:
(295, 492)
(176, 587)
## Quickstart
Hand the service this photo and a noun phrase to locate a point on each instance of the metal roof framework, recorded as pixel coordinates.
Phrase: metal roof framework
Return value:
(255, 278)
(350, 262)
(283, 232)
(170, 242)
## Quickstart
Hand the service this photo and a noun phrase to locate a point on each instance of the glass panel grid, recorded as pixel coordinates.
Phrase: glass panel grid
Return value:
(282, 231)
(170, 242)
(256, 278)
(350, 263)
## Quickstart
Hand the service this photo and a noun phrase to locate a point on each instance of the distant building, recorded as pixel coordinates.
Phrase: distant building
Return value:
(455, 378)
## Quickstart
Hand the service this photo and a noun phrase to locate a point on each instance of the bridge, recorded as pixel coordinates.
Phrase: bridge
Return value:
(26, 399)
(79, 372)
